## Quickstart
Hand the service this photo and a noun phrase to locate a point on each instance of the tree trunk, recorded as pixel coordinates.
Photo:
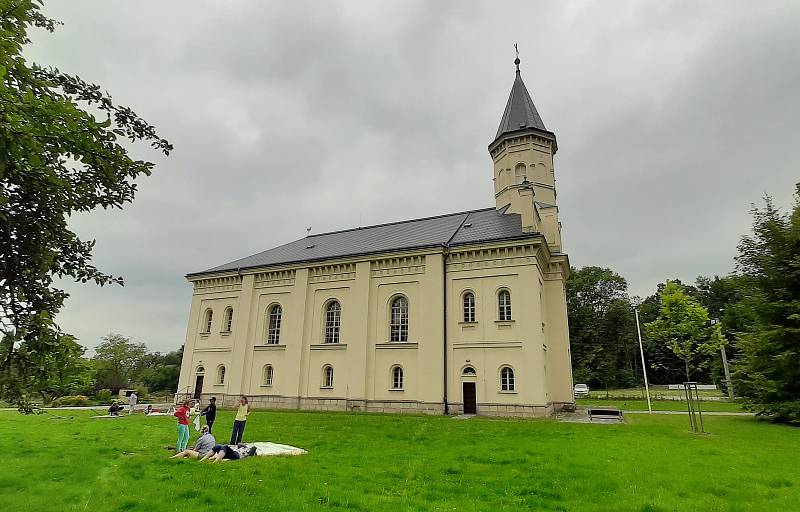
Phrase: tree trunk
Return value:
(686, 361)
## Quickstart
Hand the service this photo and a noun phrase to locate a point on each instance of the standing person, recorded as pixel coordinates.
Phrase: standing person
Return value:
(182, 413)
(210, 412)
(242, 412)
(132, 402)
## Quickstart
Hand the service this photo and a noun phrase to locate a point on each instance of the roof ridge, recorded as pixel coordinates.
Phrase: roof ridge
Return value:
(466, 212)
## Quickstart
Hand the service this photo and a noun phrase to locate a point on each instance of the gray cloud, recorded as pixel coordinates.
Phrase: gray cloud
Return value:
(672, 117)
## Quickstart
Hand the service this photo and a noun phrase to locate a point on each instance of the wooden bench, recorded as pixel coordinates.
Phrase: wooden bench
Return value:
(605, 413)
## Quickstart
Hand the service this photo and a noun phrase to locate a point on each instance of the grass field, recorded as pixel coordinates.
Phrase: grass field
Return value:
(660, 405)
(382, 462)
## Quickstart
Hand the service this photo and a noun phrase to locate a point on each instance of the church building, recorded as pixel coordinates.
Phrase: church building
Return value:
(457, 313)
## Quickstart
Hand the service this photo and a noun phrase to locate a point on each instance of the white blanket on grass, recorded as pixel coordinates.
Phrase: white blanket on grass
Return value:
(266, 449)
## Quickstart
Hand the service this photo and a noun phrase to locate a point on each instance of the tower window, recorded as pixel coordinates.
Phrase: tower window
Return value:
(506, 379)
(469, 307)
(208, 319)
(274, 325)
(333, 322)
(228, 320)
(504, 306)
(398, 326)
(268, 373)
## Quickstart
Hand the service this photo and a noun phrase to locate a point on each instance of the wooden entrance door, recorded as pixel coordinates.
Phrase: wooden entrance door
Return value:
(470, 399)
(198, 387)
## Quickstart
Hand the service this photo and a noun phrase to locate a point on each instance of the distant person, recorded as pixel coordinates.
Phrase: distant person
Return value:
(242, 412)
(210, 412)
(182, 413)
(203, 445)
(132, 402)
(229, 452)
(114, 409)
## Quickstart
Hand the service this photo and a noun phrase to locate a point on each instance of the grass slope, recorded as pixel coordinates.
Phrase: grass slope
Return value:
(382, 462)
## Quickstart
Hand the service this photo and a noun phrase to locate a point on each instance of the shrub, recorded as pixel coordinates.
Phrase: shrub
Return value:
(71, 400)
(104, 396)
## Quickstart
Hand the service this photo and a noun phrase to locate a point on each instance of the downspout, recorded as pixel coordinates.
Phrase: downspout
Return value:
(445, 255)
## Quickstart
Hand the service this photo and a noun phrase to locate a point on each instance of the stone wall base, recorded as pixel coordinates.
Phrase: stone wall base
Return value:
(384, 406)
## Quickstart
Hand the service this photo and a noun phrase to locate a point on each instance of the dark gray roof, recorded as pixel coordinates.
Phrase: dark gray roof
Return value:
(454, 229)
(520, 111)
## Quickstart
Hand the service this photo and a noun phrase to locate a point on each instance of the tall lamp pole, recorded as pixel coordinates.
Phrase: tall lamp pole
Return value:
(644, 366)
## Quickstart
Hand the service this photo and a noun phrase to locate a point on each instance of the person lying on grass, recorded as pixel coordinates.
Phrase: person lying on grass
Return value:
(203, 445)
(228, 452)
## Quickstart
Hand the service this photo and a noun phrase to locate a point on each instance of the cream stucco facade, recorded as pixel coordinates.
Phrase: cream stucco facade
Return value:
(391, 330)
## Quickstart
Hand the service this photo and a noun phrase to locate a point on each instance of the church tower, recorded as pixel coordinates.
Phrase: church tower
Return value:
(524, 178)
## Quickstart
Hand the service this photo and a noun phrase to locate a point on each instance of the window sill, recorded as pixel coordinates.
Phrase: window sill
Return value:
(507, 392)
(265, 385)
(397, 344)
(224, 333)
(504, 323)
(326, 387)
(219, 384)
(396, 389)
(271, 346)
(468, 324)
(329, 346)
(204, 334)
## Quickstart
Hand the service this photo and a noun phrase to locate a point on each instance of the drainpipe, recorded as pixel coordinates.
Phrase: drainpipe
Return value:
(445, 255)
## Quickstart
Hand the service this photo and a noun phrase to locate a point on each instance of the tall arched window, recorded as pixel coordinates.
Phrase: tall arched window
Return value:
(469, 307)
(274, 325)
(333, 321)
(506, 379)
(504, 306)
(221, 374)
(207, 324)
(200, 370)
(228, 325)
(397, 377)
(268, 373)
(327, 376)
(398, 325)
(520, 174)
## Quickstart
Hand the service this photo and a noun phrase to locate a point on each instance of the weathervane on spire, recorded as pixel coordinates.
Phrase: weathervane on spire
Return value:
(516, 61)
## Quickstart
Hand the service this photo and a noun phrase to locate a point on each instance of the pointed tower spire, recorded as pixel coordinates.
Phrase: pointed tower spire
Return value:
(520, 113)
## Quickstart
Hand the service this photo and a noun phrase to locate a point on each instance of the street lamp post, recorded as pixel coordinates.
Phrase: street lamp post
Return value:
(644, 366)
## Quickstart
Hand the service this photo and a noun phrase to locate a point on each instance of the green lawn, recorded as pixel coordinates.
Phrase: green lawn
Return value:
(382, 462)
(660, 405)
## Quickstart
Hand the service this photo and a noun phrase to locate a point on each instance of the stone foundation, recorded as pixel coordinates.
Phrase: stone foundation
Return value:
(385, 406)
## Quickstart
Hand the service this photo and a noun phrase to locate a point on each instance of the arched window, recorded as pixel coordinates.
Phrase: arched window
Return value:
(200, 370)
(504, 306)
(397, 377)
(469, 307)
(506, 379)
(228, 325)
(469, 371)
(327, 376)
(208, 319)
(333, 322)
(398, 325)
(274, 325)
(268, 373)
(520, 174)
(221, 374)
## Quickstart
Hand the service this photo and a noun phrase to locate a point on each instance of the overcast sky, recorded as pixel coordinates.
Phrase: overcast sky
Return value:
(671, 118)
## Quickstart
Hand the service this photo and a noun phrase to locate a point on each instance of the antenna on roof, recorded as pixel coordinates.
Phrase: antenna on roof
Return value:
(308, 230)
(516, 61)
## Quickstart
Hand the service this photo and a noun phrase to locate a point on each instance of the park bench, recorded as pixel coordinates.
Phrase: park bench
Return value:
(605, 413)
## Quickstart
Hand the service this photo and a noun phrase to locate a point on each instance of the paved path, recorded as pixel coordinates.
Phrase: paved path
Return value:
(705, 413)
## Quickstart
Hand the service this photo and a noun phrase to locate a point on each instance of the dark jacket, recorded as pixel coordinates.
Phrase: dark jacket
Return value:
(210, 412)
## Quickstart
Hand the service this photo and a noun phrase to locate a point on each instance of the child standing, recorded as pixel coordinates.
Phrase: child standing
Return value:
(182, 413)
(210, 412)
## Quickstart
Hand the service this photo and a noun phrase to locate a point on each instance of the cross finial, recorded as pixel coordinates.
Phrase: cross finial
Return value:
(516, 61)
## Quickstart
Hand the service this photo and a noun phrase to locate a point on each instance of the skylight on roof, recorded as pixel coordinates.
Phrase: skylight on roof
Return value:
(311, 246)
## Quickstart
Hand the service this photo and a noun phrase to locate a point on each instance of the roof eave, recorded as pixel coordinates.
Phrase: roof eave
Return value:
(524, 131)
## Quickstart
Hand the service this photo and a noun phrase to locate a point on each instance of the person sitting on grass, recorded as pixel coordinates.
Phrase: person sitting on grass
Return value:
(114, 409)
(228, 452)
(203, 445)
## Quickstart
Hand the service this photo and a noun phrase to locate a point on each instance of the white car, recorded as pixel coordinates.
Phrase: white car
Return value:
(581, 390)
